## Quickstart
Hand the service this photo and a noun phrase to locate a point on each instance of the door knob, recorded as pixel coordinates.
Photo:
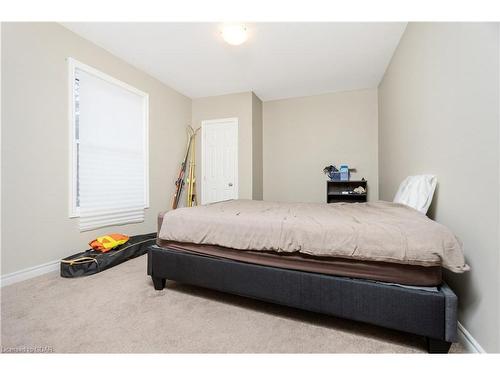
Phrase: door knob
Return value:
(230, 184)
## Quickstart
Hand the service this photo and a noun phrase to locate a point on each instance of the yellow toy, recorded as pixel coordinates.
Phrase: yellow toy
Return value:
(108, 242)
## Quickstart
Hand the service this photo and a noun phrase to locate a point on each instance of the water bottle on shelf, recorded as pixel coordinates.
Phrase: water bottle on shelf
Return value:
(344, 172)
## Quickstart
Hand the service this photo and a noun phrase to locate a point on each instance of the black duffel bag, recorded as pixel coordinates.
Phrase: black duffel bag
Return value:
(92, 261)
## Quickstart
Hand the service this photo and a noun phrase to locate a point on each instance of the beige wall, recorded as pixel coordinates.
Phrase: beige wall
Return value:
(438, 113)
(35, 147)
(257, 164)
(303, 135)
(238, 105)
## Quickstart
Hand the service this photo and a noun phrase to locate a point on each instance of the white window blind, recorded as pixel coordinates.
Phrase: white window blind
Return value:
(111, 142)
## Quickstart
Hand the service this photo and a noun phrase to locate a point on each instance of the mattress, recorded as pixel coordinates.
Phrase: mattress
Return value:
(376, 231)
(404, 274)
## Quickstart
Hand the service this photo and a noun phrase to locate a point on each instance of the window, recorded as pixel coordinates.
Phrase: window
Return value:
(109, 149)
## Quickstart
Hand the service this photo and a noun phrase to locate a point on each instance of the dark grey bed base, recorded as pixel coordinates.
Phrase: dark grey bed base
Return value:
(430, 314)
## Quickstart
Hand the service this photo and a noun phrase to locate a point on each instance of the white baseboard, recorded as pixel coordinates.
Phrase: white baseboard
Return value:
(469, 343)
(29, 273)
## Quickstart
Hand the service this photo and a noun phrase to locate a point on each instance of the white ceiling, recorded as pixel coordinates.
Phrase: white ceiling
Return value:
(279, 60)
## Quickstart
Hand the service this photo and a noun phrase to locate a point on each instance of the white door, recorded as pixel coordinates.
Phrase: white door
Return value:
(219, 163)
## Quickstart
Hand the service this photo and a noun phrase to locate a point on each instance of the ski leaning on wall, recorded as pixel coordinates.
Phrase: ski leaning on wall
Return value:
(191, 199)
(179, 183)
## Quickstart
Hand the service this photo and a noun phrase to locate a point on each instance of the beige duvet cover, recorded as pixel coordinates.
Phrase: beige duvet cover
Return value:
(379, 231)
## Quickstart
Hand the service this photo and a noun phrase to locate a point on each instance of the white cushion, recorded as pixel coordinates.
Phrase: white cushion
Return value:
(417, 192)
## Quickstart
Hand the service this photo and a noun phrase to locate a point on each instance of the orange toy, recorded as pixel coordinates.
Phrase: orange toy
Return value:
(108, 242)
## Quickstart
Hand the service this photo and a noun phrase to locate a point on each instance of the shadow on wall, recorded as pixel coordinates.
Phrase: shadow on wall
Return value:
(432, 211)
(468, 296)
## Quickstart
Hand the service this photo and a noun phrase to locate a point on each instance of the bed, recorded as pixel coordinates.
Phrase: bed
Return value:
(379, 263)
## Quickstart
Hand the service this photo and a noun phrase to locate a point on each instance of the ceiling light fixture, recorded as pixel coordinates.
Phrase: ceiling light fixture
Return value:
(234, 34)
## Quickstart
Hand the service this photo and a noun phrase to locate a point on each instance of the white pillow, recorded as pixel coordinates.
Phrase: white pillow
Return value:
(417, 192)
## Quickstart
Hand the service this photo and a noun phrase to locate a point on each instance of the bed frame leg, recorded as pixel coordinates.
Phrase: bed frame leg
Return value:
(436, 346)
(158, 282)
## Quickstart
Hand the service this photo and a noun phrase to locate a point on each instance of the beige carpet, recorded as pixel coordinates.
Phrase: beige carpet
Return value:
(119, 311)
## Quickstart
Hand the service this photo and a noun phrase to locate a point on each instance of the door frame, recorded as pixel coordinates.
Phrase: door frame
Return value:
(226, 121)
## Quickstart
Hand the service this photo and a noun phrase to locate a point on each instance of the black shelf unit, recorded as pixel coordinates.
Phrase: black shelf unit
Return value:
(335, 189)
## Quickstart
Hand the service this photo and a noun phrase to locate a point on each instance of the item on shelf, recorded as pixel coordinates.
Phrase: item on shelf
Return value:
(332, 172)
(360, 190)
(336, 174)
(344, 172)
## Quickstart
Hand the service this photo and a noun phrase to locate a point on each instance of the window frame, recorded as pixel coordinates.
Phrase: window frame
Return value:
(73, 64)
